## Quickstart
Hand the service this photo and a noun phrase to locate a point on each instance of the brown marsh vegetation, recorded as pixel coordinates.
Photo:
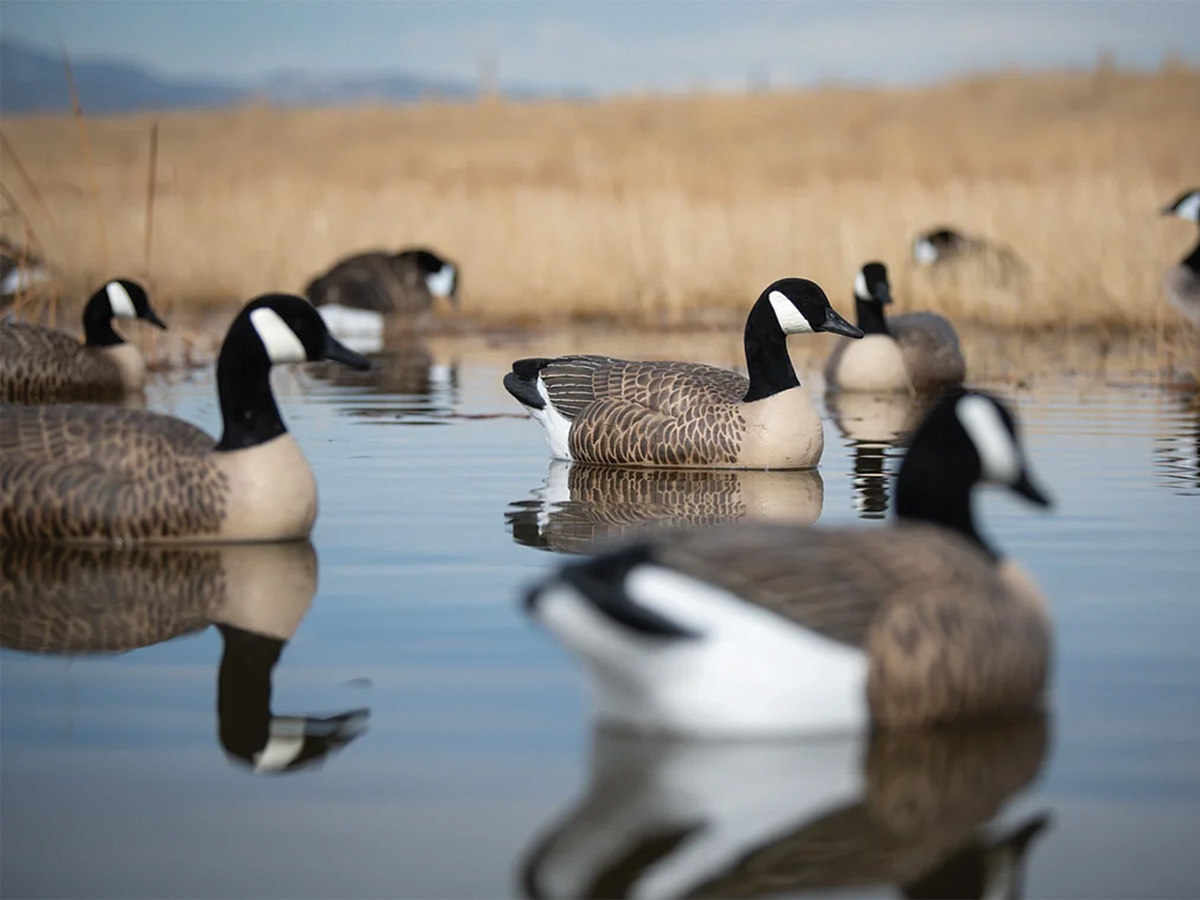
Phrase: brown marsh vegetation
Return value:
(655, 211)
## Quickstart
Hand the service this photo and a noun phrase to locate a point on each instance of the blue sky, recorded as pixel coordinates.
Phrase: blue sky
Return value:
(613, 46)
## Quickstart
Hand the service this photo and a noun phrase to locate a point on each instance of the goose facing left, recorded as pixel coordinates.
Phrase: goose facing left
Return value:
(1183, 280)
(620, 412)
(92, 473)
(42, 365)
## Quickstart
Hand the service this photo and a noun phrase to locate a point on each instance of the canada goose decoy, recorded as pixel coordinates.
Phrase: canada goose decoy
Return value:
(582, 507)
(101, 599)
(1183, 280)
(754, 629)
(359, 292)
(79, 472)
(618, 412)
(916, 352)
(41, 365)
(914, 810)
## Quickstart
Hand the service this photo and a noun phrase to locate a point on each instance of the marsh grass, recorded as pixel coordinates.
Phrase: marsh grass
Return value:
(641, 212)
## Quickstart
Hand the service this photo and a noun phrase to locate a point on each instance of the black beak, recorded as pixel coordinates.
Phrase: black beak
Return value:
(339, 352)
(1030, 491)
(152, 317)
(883, 293)
(835, 324)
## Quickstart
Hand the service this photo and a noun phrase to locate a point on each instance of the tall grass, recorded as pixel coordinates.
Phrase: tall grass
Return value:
(653, 210)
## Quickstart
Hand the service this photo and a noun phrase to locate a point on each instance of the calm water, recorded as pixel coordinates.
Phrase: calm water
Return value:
(462, 761)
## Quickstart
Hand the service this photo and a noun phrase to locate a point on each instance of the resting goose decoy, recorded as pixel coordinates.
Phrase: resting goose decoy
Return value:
(358, 293)
(945, 249)
(80, 472)
(915, 352)
(20, 270)
(756, 629)
(42, 365)
(619, 412)
(1183, 280)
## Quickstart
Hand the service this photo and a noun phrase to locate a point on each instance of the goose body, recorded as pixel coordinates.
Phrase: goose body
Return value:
(765, 628)
(916, 352)
(42, 365)
(358, 295)
(597, 409)
(1182, 281)
(92, 473)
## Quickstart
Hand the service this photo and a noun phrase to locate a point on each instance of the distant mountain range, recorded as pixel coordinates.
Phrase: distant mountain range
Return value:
(33, 80)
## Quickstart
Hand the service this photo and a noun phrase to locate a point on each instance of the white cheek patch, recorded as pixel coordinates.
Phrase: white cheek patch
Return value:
(924, 252)
(1189, 208)
(791, 320)
(860, 287)
(998, 454)
(280, 341)
(441, 282)
(119, 300)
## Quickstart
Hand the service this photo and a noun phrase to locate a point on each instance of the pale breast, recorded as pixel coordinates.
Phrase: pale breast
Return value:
(874, 363)
(783, 431)
(272, 494)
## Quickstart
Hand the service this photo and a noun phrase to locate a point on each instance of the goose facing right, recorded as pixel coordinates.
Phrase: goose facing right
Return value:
(1183, 280)
(93, 473)
(916, 352)
(597, 409)
(42, 365)
(758, 629)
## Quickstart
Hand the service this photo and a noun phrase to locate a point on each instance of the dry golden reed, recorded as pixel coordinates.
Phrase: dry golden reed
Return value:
(655, 210)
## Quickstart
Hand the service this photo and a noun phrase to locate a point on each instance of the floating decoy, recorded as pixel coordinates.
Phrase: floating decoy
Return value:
(84, 472)
(619, 412)
(42, 365)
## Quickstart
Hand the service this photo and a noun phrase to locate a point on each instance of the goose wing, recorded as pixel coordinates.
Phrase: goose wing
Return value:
(930, 348)
(574, 382)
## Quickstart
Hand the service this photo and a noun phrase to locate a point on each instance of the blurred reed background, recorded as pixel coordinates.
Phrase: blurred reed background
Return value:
(654, 211)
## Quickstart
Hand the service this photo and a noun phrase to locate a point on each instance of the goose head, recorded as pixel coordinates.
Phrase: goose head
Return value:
(798, 306)
(441, 275)
(120, 298)
(1187, 206)
(934, 245)
(871, 284)
(968, 438)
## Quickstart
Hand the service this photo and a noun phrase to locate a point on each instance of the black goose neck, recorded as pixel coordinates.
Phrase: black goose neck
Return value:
(244, 389)
(767, 361)
(871, 319)
(97, 323)
(930, 490)
(244, 690)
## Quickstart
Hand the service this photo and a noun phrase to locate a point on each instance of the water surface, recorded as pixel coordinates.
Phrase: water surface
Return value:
(450, 750)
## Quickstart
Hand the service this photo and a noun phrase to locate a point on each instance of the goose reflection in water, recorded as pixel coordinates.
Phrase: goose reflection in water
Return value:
(420, 390)
(582, 507)
(873, 427)
(1177, 452)
(78, 599)
(917, 810)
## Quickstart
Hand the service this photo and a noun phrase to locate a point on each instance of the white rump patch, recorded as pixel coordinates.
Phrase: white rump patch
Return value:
(860, 287)
(924, 252)
(277, 337)
(441, 282)
(359, 329)
(119, 300)
(791, 320)
(1189, 207)
(555, 424)
(998, 453)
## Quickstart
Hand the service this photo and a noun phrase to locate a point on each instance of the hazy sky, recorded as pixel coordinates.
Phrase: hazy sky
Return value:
(607, 46)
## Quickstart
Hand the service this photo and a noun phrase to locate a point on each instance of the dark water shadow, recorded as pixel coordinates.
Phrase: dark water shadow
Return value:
(97, 600)
(582, 507)
(915, 810)
(874, 427)
(1177, 452)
